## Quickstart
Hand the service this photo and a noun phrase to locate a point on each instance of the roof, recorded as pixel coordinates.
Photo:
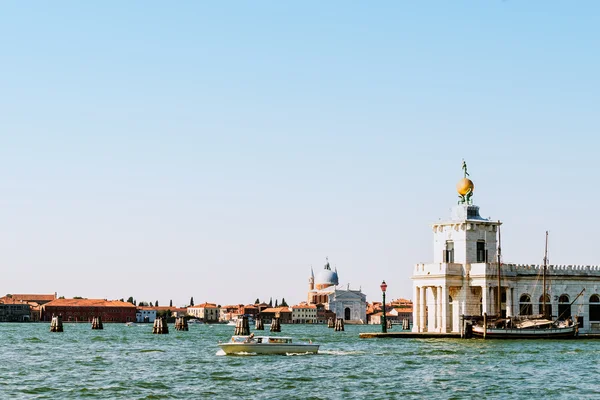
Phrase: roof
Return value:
(162, 308)
(205, 305)
(305, 306)
(276, 310)
(33, 297)
(88, 303)
(8, 300)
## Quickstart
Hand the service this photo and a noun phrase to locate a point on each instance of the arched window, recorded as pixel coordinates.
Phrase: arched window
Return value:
(594, 307)
(525, 305)
(564, 307)
(548, 305)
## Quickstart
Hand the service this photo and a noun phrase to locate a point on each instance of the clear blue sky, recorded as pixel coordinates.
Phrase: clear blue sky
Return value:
(196, 149)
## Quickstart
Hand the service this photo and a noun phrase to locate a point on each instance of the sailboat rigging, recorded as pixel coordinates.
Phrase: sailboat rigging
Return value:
(525, 327)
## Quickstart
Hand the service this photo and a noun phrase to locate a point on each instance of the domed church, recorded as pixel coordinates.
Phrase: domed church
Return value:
(351, 305)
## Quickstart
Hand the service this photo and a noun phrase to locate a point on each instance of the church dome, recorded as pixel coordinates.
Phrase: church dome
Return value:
(326, 277)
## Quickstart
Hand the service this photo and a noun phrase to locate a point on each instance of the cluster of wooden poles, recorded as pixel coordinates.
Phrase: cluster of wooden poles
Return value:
(242, 326)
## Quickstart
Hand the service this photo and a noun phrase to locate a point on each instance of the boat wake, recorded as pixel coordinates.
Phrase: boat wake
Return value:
(340, 352)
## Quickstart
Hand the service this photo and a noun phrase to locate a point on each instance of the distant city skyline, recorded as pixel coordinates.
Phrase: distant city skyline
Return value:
(164, 152)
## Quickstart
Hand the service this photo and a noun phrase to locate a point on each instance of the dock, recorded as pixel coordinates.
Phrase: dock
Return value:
(410, 335)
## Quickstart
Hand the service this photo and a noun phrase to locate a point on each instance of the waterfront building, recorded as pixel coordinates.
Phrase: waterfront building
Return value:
(349, 304)
(207, 312)
(83, 310)
(145, 314)
(283, 313)
(12, 310)
(33, 300)
(463, 278)
(304, 313)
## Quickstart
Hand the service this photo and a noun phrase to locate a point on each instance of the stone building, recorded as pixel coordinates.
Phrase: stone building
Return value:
(463, 278)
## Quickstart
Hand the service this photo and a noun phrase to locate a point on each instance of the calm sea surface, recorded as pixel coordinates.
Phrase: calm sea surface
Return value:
(131, 363)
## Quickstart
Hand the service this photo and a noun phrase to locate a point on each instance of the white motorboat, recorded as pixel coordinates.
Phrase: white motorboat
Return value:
(266, 345)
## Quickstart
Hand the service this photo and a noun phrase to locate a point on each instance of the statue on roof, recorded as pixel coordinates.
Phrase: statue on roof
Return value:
(464, 168)
(465, 187)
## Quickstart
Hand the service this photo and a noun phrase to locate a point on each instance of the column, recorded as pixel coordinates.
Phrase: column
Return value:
(444, 326)
(438, 308)
(422, 309)
(493, 293)
(416, 305)
(484, 300)
(509, 305)
(431, 315)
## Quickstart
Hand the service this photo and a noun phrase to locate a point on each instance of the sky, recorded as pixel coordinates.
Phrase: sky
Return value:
(219, 150)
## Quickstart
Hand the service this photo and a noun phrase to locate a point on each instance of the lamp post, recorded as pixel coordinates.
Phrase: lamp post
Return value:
(383, 321)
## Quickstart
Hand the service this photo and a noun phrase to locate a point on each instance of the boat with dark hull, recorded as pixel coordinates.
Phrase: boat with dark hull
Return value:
(526, 327)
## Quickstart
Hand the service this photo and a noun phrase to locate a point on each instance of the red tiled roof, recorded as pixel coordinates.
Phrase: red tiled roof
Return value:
(276, 310)
(8, 300)
(205, 305)
(88, 303)
(304, 306)
(34, 297)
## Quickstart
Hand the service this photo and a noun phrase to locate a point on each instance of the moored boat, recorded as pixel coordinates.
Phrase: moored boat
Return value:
(266, 345)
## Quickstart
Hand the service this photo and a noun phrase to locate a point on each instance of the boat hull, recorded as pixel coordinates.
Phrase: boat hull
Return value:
(282, 348)
(569, 332)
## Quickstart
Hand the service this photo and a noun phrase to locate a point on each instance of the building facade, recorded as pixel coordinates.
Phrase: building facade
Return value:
(83, 310)
(304, 313)
(207, 312)
(464, 278)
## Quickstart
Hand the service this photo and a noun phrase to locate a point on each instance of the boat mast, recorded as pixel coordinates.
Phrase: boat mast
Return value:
(499, 301)
(544, 278)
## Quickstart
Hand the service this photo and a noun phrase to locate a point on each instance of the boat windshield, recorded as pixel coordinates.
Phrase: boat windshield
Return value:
(280, 340)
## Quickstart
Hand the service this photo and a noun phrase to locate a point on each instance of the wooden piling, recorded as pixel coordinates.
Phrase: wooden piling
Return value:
(388, 324)
(259, 326)
(339, 325)
(242, 327)
(406, 324)
(181, 324)
(160, 326)
(330, 323)
(56, 325)
(275, 326)
(97, 323)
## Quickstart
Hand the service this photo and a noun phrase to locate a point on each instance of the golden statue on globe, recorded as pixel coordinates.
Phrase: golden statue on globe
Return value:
(465, 187)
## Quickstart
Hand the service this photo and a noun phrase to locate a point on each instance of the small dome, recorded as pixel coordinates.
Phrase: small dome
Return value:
(463, 186)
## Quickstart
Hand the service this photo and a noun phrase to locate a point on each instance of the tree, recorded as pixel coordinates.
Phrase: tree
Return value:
(170, 303)
(275, 302)
(271, 302)
(130, 299)
(122, 300)
(283, 303)
(156, 303)
(134, 302)
(192, 301)
(257, 301)
(77, 297)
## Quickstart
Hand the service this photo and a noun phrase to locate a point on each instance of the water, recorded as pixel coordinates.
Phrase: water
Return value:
(122, 362)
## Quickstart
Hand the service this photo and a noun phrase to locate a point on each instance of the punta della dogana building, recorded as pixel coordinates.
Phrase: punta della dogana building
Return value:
(463, 277)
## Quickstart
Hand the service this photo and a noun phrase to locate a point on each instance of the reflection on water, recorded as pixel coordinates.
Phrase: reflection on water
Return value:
(122, 362)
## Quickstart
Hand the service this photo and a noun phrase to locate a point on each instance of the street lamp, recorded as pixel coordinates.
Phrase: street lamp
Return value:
(383, 322)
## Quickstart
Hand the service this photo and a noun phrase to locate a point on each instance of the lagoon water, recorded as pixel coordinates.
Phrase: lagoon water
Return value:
(122, 362)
